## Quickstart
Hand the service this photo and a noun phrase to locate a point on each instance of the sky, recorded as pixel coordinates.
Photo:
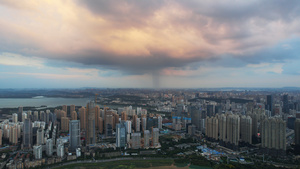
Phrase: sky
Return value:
(149, 44)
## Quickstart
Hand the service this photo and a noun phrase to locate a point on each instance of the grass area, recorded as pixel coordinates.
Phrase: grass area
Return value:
(125, 164)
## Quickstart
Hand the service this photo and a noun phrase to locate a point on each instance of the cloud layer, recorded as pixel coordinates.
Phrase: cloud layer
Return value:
(152, 38)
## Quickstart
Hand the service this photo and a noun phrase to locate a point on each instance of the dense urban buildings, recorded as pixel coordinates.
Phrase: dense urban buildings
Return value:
(250, 122)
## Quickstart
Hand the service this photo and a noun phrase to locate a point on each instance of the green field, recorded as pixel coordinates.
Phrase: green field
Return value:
(125, 164)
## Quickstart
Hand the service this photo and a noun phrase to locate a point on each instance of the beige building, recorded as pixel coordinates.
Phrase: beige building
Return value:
(82, 115)
(65, 124)
(273, 135)
(74, 115)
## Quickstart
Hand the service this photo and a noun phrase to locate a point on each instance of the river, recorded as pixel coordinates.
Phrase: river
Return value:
(41, 101)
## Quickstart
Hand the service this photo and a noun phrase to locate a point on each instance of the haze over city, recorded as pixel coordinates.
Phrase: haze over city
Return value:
(83, 43)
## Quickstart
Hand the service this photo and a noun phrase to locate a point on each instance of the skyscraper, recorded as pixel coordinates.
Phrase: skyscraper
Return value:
(137, 124)
(246, 129)
(159, 122)
(37, 152)
(135, 140)
(146, 138)
(273, 136)
(65, 108)
(269, 105)
(121, 134)
(1, 133)
(14, 117)
(60, 150)
(49, 147)
(40, 137)
(285, 101)
(297, 133)
(64, 123)
(27, 134)
(100, 125)
(74, 132)
(155, 137)
(82, 115)
(72, 108)
(233, 129)
(90, 134)
(74, 115)
(108, 124)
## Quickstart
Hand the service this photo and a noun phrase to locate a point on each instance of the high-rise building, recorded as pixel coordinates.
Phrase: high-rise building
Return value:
(222, 127)
(246, 129)
(135, 140)
(35, 115)
(297, 132)
(83, 119)
(40, 137)
(74, 132)
(144, 123)
(24, 116)
(14, 117)
(109, 120)
(100, 125)
(60, 150)
(233, 129)
(273, 136)
(49, 147)
(64, 123)
(210, 110)
(269, 105)
(63, 114)
(191, 130)
(155, 137)
(215, 125)
(37, 152)
(65, 108)
(13, 135)
(97, 114)
(74, 115)
(121, 134)
(20, 111)
(285, 101)
(123, 116)
(159, 122)
(137, 125)
(72, 108)
(146, 138)
(1, 133)
(27, 134)
(91, 132)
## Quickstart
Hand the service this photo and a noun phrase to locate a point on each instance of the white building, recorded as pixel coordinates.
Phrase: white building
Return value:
(37, 151)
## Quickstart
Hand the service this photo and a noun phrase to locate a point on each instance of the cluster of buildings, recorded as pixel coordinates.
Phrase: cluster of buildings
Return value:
(64, 134)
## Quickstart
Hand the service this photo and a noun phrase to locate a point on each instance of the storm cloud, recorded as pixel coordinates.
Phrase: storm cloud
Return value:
(151, 37)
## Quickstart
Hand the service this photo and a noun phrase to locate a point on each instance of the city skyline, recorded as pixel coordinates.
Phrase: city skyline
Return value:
(149, 44)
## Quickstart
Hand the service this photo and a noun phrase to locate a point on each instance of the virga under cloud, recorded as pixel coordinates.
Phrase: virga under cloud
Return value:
(171, 39)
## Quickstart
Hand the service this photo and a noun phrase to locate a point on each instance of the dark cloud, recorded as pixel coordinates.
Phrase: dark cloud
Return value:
(241, 24)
